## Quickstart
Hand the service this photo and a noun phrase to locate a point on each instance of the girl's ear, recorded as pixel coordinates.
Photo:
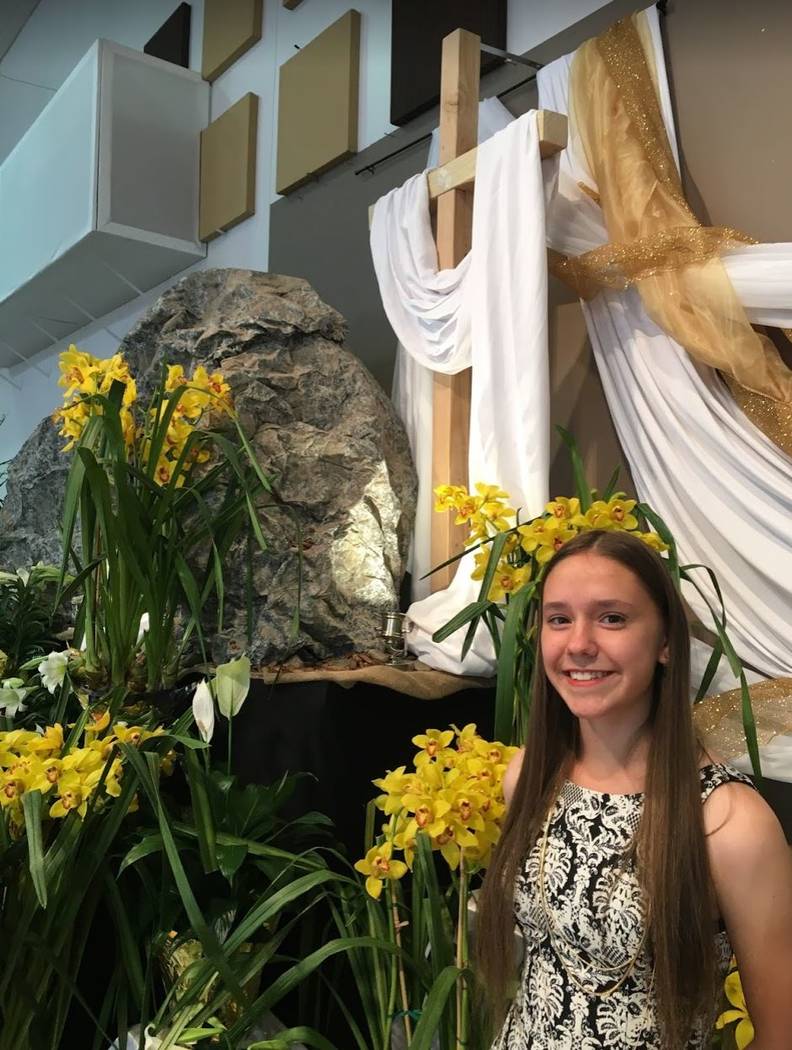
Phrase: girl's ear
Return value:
(663, 656)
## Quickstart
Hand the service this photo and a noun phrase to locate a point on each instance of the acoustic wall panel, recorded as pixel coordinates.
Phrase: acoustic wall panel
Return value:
(417, 31)
(318, 104)
(230, 28)
(99, 198)
(228, 168)
(171, 42)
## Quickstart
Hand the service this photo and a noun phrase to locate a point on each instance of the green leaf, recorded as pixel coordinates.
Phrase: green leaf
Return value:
(610, 488)
(287, 1038)
(230, 859)
(507, 663)
(436, 1003)
(709, 673)
(470, 612)
(31, 807)
(202, 812)
(144, 848)
(578, 470)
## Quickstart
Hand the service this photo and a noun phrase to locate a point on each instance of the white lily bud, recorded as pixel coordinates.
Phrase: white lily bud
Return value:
(203, 710)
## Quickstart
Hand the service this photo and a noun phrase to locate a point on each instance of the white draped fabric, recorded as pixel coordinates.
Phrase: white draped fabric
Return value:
(722, 486)
(489, 313)
(412, 393)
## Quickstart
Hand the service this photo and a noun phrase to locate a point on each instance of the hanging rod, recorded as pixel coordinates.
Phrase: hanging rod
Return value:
(425, 138)
(507, 56)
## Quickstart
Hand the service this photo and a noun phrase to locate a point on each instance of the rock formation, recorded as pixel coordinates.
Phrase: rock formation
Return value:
(322, 429)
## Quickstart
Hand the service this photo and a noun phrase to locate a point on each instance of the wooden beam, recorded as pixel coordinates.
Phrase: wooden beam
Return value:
(459, 101)
(461, 172)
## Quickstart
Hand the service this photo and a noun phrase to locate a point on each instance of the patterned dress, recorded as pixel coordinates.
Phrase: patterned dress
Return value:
(594, 902)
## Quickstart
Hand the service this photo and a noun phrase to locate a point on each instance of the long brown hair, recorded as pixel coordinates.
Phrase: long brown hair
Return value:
(670, 844)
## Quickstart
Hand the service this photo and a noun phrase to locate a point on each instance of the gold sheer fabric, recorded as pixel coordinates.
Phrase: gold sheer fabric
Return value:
(656, 241)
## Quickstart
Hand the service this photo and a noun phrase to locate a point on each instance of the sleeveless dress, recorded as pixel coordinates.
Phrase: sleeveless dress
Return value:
(594, 902)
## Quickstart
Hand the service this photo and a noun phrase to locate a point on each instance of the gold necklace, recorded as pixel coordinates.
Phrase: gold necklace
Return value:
(552, 927)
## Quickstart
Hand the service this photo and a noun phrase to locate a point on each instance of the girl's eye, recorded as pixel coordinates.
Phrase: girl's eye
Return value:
(614, 619)
(557, 620)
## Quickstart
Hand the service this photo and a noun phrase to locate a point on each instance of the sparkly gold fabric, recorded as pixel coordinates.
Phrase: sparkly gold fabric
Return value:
(618, 265)
(718, 719)
(656, 241)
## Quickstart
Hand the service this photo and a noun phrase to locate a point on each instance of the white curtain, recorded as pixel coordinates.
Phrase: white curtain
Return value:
(723, 487)
(489, 313)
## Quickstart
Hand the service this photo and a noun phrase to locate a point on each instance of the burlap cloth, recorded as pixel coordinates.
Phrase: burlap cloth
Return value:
(420, 681)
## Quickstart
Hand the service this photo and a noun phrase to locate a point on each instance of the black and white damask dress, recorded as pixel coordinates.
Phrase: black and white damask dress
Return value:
(581, 938)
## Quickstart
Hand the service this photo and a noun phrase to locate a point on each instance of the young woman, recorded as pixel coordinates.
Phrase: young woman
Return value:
(634, 863)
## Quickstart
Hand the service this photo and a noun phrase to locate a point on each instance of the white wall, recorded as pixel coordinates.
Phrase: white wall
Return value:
(530, 22)
(60, 31)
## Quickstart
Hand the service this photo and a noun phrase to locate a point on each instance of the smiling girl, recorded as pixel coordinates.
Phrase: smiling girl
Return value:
(633, 862)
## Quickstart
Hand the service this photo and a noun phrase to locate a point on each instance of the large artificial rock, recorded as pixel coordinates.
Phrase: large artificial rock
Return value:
(322, 429)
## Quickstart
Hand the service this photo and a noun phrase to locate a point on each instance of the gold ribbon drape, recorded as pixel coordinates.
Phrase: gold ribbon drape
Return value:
(656, 241)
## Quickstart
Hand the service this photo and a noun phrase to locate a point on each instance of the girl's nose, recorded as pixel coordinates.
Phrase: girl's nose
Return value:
(581, 641)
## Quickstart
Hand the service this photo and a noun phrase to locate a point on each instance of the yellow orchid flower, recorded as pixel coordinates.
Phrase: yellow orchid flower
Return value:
(466, 737)
(744, 1032)
(378, 866)
(432, 743)
(49, 743)
(615, 514)
(448, 496)
(396, 783)
(490, 493)
(508, 579)
(563, 509)
(536, 533)
(428, 814)
(481, 558)
(72, 795)
(467, 508)
(651, 539)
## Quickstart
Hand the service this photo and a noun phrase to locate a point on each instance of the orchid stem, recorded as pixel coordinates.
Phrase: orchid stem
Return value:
(462, 958)
(402, 978)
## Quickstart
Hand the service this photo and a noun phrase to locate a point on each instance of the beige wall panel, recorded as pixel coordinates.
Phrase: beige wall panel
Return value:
(577, 401)
(230, 28)
(318, 104)
(228, 168)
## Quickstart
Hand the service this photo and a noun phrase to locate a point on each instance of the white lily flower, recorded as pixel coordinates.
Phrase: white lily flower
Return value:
(144, 626)
(12, 696)
(53, 670)
(231, 685)
(203, 710)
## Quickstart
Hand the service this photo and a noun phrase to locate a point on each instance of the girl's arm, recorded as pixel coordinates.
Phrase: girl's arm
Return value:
(751, 867)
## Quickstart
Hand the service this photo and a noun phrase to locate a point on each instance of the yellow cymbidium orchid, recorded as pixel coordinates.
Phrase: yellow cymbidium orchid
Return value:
(72, 796)
(563, 509)
(744, 1032)
(378, 867)
(432, 743)
(508, 579)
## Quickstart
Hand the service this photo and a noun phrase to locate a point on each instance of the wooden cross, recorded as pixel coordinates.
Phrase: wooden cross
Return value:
(451, 186)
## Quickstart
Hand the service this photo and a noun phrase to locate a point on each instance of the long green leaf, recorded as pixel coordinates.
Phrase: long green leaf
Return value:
(436, 1003)
(470, 612)
(507, 664)
(31, 807)
(578, 470)
(289, 1036)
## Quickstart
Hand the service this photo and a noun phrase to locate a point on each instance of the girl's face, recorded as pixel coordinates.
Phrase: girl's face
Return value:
(602, 637)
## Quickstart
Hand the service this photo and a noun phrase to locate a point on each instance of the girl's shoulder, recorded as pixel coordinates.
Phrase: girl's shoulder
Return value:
(714, 774)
